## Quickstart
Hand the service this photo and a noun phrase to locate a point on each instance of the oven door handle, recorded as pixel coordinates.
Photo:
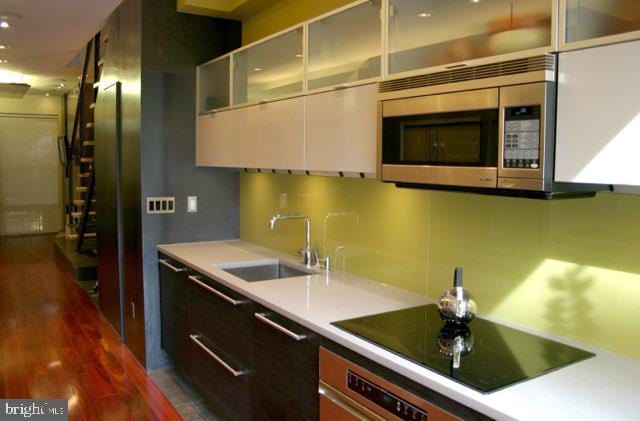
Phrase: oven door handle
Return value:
(349, 405)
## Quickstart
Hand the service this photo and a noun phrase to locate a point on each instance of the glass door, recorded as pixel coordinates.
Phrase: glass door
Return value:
(345, 47)
(30, 199)
(213, 85)
(428, 33)
(270, 69)
(468, 138)
(593, 22)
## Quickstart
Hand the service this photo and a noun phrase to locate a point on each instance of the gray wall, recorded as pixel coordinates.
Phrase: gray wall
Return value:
(172, 45)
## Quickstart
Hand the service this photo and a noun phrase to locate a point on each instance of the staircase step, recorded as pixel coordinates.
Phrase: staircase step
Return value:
(88, 143)
(96, 85)
(81, 189)
(79, 214)
(84, 175)
(89, 125)
(80, 202)
(86, 160)
(100, 62)
(92, 106)
(75, 236)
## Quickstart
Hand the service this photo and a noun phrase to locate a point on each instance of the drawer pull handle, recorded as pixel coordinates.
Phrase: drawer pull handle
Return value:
(215, 291)
(226, 366)
(263, 318)
(170, 266)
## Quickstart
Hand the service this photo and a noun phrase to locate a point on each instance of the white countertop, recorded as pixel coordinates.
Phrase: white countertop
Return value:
(604, 387)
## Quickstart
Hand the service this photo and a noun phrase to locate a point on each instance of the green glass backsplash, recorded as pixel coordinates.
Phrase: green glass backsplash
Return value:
(568, 267)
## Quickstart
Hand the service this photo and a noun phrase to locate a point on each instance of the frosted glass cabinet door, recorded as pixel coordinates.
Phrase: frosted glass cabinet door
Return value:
(588, 19)
(213, 85)
(212, 140)
(269, 69)
(598, 129)
(345, 47)
(342, 130)
(426, 33)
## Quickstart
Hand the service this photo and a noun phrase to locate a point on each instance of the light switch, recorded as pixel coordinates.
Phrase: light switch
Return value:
(161, 204)
(192, 204)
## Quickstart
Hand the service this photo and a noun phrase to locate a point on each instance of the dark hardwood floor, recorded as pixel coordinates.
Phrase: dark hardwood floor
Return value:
(55, 344)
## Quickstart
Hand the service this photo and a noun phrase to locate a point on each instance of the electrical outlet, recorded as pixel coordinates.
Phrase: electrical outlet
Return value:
(161, 204)
(284, 200)
(192, 204)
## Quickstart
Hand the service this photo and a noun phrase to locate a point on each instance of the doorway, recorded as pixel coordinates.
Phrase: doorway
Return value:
(30, 199)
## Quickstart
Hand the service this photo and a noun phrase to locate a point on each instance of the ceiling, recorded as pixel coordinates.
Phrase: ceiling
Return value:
(44, 40)
(230, 9)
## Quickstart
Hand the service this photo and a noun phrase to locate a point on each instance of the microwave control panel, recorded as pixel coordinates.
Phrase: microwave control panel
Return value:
(521, 137)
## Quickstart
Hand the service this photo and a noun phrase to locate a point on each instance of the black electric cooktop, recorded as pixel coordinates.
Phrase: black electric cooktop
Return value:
(499, 356)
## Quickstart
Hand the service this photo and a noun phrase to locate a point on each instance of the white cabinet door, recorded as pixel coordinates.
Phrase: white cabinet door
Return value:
(269, 136)
(598, 129)
(243, 147)
(342, 130)
(212, 140)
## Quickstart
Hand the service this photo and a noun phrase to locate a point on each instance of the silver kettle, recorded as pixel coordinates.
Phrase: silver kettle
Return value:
(456, 305)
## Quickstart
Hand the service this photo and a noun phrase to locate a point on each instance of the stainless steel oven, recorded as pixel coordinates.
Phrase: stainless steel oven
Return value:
(486, 138)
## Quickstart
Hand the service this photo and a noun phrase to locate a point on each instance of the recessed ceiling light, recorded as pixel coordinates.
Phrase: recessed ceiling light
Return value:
(47, 94)
(3, 60)
(299, 55)
(4, 47)
(424, 15)
(474, 1)
(257, 69)
(4, 24)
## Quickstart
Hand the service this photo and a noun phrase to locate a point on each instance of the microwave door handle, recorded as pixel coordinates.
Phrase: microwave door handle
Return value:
(435, 149)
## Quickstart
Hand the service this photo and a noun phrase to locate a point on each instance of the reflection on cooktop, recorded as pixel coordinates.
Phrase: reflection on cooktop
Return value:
(487, 356)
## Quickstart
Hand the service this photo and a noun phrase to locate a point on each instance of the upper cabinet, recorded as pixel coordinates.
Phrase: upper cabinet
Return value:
(213, 85)
(345, 47)
(269, 69)
(434, 33)
(598, 128)
(592, 22)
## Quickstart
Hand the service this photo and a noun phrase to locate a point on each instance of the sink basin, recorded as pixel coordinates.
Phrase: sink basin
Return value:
(266, 271)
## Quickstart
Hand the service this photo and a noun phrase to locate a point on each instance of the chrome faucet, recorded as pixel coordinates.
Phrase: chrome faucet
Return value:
(309, 256)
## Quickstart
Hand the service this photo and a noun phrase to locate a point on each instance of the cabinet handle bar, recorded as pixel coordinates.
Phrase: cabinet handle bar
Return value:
(213, 355)
(170, 266)
(263, 318)
(215, 291)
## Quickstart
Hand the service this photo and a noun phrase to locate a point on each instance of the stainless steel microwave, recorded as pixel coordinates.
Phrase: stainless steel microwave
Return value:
(492, 135)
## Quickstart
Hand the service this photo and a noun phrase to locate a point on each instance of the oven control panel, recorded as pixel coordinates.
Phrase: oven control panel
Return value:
(521, 137)
(383, 398)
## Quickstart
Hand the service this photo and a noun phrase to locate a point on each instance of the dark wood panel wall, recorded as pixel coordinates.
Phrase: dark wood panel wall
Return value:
(153, 51)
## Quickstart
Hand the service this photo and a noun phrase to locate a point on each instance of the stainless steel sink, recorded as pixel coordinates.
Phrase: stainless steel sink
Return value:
(266, 271)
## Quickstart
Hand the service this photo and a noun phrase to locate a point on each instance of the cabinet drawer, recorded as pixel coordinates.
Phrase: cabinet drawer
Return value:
(286, 361)
(222, 315)
(173, 310)
(221, 378)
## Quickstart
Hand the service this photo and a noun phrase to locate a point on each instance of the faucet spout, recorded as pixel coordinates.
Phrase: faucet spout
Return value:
(306, 253)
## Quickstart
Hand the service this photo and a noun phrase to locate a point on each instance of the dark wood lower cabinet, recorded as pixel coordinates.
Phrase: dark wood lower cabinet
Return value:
(285, 369)
(173, 311)
(222, 379)
(248, 361)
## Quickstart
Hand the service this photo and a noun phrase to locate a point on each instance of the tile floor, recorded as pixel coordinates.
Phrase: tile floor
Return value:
(182, 395)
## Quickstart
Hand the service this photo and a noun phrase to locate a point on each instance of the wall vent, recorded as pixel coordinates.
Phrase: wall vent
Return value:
(505, 68)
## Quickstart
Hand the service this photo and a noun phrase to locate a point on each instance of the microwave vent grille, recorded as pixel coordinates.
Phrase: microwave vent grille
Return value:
(505, 68)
